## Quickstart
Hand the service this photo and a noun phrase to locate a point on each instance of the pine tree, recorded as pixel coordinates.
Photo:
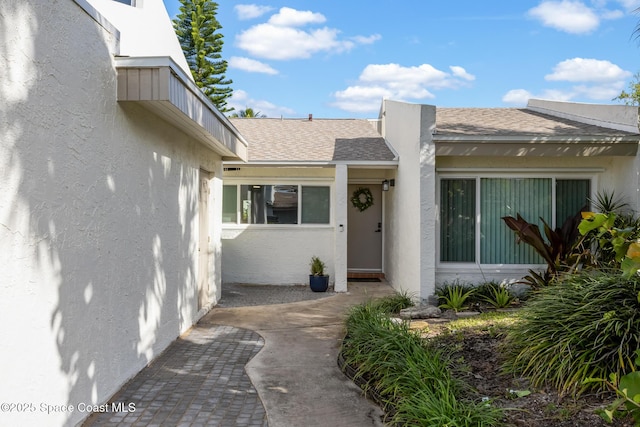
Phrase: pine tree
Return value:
(197, 29)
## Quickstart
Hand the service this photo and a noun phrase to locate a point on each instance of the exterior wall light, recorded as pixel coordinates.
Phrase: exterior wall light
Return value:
(385, 185)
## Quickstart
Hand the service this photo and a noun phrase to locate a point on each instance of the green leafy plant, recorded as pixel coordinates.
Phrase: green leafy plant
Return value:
(412, 380)
(498, 296)
(584, 327)
(454, 297)
(317, 266)
(617, 247)
(561, 251)
(394, 303)
(627, 388)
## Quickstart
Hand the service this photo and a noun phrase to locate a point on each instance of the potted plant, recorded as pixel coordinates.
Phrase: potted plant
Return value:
(318, 281)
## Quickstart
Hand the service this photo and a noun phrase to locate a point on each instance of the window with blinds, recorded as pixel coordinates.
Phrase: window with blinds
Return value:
(471, 211)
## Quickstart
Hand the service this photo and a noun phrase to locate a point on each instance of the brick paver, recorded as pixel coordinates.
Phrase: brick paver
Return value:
(199, 381)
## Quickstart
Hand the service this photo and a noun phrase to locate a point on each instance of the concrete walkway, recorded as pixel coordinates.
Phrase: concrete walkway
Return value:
(266, 365)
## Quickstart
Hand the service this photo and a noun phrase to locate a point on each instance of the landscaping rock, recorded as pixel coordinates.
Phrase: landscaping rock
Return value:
(423, 311)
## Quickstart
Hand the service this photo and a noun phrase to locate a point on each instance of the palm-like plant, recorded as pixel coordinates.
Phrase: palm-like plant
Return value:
(247, 113)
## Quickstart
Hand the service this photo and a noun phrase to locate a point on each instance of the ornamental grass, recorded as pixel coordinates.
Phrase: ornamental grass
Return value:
(413, 380)
(588, 325)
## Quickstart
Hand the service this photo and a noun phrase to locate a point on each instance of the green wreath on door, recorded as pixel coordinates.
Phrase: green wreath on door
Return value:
(362, 199)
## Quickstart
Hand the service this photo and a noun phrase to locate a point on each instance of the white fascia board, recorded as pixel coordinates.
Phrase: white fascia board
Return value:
(522, 146)
(392, 164)
(535, 139)
(168, 63)
(331, 164)
(520, 170)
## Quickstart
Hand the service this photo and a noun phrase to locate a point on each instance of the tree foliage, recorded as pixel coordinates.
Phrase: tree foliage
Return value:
(631, 96)
(197, 29)
(247, 113)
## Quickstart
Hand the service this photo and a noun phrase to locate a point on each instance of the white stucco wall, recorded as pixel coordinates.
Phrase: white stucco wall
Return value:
(277, 255)
(98, 218)
(341, 229)
(403, 234)
(145, 31)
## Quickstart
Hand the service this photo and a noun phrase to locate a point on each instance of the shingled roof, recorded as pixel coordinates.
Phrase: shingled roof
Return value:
(317, 140)
(512, 122)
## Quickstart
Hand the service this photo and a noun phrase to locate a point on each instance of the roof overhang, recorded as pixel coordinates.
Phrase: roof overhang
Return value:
(392, 164)
(507, 146)
(160, 85)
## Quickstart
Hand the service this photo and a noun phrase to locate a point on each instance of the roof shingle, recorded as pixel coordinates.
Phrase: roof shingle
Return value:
(312, 140)
(512, 122)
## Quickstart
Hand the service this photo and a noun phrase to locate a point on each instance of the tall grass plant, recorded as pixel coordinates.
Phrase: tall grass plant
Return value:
(586, 326)
(412, 378)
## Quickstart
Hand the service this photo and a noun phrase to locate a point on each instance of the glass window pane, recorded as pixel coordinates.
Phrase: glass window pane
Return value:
(458, 220)
(230, 204)
(529, 197)
(269, 204)
(316, 205)
(571, 196)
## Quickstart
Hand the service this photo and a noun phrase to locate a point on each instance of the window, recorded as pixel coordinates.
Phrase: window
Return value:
(276, 204)
(471, 211)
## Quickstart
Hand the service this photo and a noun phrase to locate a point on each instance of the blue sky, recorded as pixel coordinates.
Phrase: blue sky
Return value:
(340, 59)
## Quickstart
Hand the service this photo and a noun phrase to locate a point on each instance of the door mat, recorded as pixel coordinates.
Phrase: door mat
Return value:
(363, 279)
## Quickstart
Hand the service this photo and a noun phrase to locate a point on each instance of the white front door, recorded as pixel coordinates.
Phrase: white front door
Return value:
(364, 244)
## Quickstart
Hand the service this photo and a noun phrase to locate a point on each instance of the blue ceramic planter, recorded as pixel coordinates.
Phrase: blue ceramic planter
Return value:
(318, 283)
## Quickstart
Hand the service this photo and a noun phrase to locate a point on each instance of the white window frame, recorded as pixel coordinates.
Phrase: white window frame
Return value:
(553, 175)
(310, 182)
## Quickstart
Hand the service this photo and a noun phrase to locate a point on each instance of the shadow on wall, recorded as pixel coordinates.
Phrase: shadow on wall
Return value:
(99, 226)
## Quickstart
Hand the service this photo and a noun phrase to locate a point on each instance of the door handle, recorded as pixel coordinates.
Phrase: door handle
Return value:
(379, 230)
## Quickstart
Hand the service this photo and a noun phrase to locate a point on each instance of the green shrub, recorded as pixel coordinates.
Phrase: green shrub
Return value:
(411, 377)
(454, 296)
(394, 303)
(588, 325)
(496, 295)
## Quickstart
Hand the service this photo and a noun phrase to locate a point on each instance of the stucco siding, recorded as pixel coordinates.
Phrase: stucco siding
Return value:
(275, 255)
(98, 218)
(403, 233)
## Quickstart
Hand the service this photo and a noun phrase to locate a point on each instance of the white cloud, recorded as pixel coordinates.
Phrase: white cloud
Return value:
(379, 81)
(517, 97)
(600, 92)
(612, 14)
(589, 79)
(281, 38)
(462, 73)
(569, 16)
(282, 43)
(251, 11)
(520, 97)
(241, 100)
(630, 4)
(288, 17)
(587, 70)
(251, 65)
(366, 40)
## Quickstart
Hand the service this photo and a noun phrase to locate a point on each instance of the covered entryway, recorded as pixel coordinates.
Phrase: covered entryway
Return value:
(364, 237)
